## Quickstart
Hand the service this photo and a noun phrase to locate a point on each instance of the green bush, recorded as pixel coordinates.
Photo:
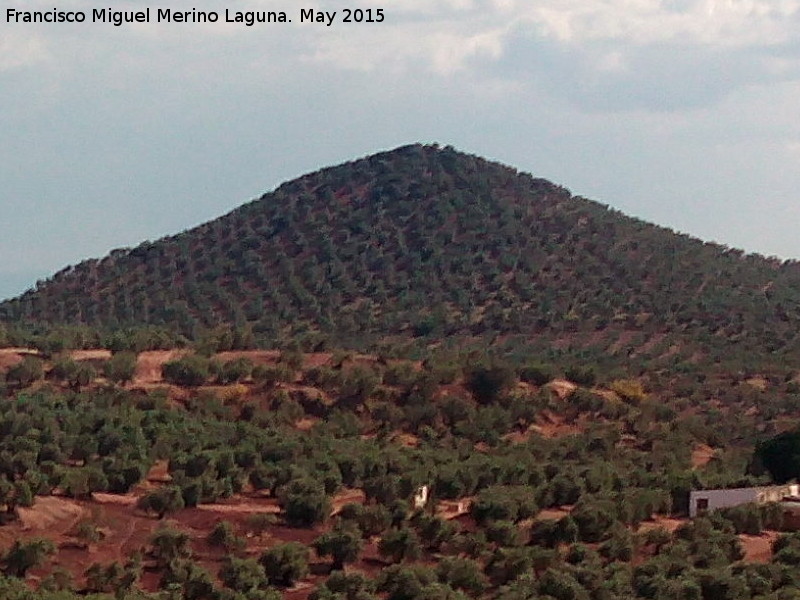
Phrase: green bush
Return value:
(224, 536)
(304, 503)
(504, 503)
(489, 383)
(162, 501)
(121, 367)
(537, 374)
(343, 544)
(400, 545)
(235, 370)
(285, 564)
(191, 370)
(26, 372)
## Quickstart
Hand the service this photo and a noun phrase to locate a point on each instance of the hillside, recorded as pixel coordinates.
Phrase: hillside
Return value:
(278, 474)
(428, 242)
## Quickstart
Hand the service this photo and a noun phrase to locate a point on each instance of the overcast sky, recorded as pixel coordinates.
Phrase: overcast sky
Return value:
(682, 112)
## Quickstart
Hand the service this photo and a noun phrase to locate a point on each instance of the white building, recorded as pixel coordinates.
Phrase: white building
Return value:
(421, 497)
(701, 501)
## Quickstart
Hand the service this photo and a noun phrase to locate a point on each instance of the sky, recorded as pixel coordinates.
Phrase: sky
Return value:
(685, 113)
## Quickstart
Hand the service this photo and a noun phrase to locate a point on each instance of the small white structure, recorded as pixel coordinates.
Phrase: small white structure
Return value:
(421, 497)
(701, 501)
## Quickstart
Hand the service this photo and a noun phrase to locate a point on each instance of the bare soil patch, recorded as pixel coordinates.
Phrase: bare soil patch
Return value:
(550, 425)
(10, 357)
(240, 506)
(702, 455)
(562, 387)
(306, 423)
(759, 383)
(50, 513)
(409, 440)
(121, 499)
(159, 472)
(758, 548)
(668, 523)
(96, 354)
(553, 514)
(347, 496)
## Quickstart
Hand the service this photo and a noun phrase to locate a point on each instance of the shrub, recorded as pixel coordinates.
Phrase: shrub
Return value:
(489, 383)
(168, 545)
(593, 519)
(224, 536)
(285, 564)
(584, 376)
(26, 372)
(244, 575)
(746, 518)
(619, 545)
(192, 370)
(342, 544)
(235, 370)
(400, 374)
(508, 503)
(121, 367)
(503, 533)
(405, 583)
(344, 586)
(162, 501)
(536, 374)
(258, 523)
(507, 564)
(399, 545)
(780, 455)
(304, 503)
(25, 555)
(462, 573)
(64, 369)
(434, 531)
(270, 374)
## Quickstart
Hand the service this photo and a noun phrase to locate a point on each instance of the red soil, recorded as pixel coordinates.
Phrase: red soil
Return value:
(98, 354)
(667, 523)
(10, 357)
(758, 548)
(553, 514)
(347, 496)
(702, 455)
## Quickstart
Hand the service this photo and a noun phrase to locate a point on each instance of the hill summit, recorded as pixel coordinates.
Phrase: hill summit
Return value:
(426, 241)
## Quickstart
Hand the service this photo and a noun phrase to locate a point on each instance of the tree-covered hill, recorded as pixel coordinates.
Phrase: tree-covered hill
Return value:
(427, 241)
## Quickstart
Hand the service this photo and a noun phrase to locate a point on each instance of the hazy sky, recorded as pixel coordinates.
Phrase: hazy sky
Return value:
(682, 112)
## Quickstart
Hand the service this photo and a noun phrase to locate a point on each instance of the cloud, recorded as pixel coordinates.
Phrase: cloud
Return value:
(18, 50)
(732, 23)
(634, 102)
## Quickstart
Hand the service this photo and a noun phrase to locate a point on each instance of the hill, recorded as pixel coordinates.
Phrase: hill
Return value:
(428, 242)
(278, 474)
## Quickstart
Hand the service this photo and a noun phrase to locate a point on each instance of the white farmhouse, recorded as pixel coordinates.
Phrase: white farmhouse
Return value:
(421, 497)
(701, 501)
